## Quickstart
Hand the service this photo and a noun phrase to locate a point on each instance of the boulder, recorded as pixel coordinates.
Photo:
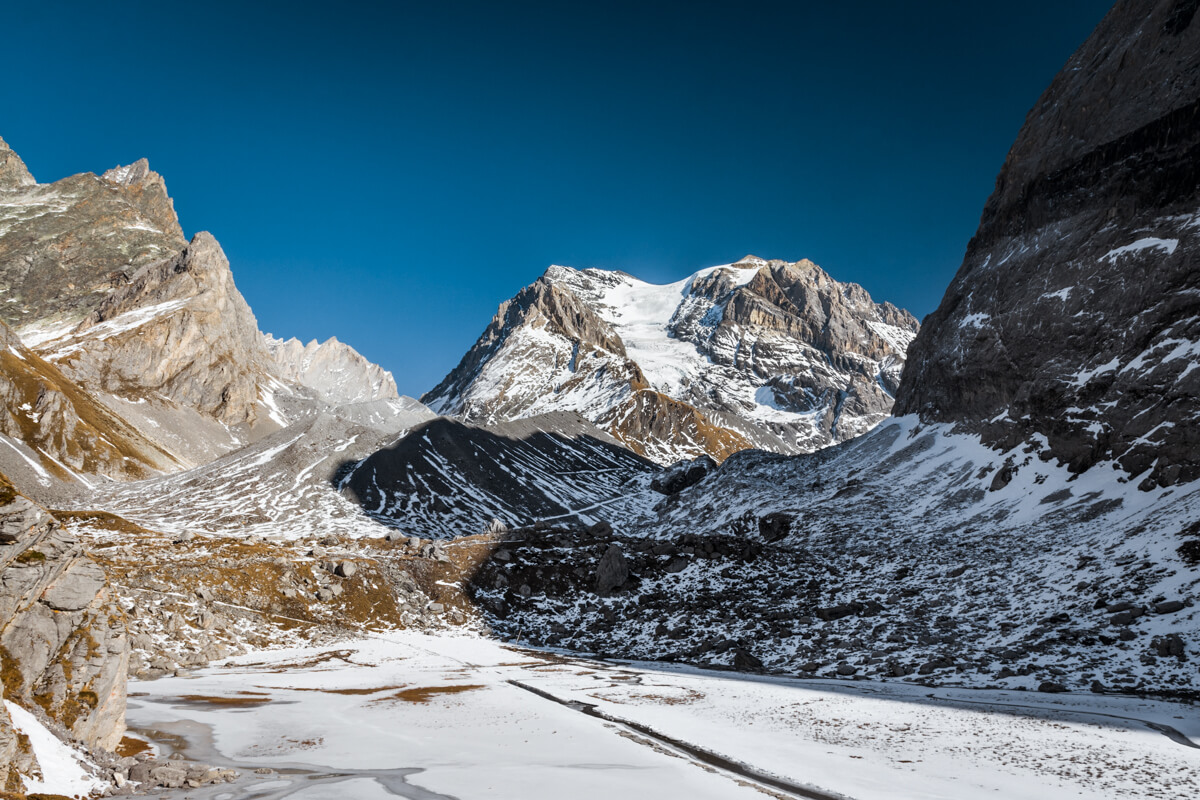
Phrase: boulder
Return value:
(612, 571)
(682, 474)
(776, 525)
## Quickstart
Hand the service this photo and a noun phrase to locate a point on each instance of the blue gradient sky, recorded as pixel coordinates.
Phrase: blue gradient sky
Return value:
(388, 173)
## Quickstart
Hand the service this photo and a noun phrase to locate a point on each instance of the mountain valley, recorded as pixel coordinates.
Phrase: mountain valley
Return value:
(627, 504)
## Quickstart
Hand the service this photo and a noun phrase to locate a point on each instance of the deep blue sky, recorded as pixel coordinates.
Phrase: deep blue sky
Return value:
(389, 172)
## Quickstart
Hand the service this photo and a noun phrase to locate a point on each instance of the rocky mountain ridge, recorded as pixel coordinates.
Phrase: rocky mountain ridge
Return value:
(1075, 315)
(101, 283)
(759, 353)
(334, 370)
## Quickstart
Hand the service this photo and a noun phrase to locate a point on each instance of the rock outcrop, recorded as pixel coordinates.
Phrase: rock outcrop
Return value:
(178, 330)
(1076, 313)
(335, 371)
(13, 172)
(62, 636)
(58, 429)
(765, 354)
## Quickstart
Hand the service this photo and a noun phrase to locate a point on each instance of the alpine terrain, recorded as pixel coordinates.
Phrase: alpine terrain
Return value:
(749, 533)
(757, 354)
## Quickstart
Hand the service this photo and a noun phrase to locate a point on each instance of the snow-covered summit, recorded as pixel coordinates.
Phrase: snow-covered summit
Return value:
(757, 353)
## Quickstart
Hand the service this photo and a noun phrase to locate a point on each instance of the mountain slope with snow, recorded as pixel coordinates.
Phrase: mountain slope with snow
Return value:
(759, 353)
(100, 282)
(1075, 315)
(446, 478)
(1031, 518)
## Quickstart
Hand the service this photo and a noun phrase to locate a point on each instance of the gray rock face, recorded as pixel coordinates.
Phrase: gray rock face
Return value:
(179, 330)
(63, 427)
(75, 588)
(1076, 313)
(13, 172)
(760, 353)
(62, 637)
(89, 232)
(334, 370)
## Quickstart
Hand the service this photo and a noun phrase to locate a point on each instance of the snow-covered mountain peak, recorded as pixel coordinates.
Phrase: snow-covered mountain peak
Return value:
(756, 353)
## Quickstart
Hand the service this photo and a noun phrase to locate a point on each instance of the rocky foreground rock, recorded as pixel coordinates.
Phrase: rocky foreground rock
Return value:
(63, 644)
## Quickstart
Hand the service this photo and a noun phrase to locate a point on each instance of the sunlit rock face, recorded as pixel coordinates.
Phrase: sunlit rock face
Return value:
(101, 284)
(333, 369)
(1076, 313)
(765, 354)
(62, 635)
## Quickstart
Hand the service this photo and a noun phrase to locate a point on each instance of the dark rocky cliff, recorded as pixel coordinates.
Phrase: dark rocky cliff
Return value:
(1076, 312)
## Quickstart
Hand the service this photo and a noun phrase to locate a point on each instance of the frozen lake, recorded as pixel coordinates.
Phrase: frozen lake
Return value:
(417, 716)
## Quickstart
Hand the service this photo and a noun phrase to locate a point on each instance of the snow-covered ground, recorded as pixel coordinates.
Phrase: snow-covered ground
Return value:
(419, 716)
(63, 769)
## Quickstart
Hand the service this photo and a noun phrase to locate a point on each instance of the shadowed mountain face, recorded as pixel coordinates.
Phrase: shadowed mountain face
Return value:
(446, 478)
(766, 354)
(1076, 313)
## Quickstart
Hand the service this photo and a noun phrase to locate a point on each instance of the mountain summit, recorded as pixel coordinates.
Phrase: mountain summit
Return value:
(766, 354)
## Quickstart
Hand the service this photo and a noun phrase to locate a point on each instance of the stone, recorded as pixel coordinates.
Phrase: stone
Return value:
(346, 569)
(677, 564)
(776, 526)
(1168, 607)
(1169, 645)
(168, 776)
(1051, 687)
(600, 529)
(682, 475)
(76, 588)
(140, 772)
(745, 661)
(612, 571)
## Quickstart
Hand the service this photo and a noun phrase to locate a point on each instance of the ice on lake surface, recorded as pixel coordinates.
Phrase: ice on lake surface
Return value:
(419, 716)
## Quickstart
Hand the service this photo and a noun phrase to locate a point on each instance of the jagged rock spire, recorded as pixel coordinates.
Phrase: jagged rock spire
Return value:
(13, 172)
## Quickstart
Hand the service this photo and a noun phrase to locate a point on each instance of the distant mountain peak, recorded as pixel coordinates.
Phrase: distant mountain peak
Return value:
(757, 353)
(332, 369)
